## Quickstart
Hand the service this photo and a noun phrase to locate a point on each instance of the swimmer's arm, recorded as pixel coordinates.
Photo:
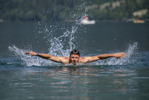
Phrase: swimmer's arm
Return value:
(104, 56)
(45, 56)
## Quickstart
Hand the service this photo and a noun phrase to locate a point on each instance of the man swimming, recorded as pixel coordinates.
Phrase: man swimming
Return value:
(75, 58)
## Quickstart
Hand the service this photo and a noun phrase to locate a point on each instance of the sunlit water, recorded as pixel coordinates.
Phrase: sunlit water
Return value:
(25, 77)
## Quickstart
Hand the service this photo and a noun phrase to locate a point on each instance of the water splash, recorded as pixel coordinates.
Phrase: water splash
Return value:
(58, 46)
(57, 43)
(124, 61)
(36, 61)
(61, 45)
(27, 59)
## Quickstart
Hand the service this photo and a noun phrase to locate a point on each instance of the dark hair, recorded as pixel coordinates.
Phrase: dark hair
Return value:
(74, 51)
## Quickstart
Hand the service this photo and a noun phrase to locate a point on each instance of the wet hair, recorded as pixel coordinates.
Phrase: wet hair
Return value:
(74, 51)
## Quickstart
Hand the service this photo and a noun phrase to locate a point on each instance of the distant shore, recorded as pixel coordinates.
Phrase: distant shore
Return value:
(104, 20)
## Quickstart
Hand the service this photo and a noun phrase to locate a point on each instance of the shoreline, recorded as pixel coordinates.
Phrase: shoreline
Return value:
(71, 21)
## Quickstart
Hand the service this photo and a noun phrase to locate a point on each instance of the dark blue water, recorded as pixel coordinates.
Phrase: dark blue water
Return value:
(25, 77)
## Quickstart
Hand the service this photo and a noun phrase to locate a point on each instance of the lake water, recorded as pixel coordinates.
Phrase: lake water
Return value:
(23, 77)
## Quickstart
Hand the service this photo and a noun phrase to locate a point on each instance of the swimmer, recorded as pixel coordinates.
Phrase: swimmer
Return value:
(75, 58)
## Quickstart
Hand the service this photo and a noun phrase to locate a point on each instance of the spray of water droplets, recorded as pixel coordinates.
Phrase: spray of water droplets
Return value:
(128, 59)
(58, 46)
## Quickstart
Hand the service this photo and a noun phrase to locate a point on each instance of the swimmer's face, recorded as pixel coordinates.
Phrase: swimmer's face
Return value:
(74, 58)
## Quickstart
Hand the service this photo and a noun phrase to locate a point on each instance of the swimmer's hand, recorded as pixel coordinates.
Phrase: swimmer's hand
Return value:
(119, 55)
(31, 53)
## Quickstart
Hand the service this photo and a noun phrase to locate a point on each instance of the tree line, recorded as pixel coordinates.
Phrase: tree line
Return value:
(67, 10)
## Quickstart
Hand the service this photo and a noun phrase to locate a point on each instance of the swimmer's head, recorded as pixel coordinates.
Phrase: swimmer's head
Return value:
(74, 51)
(74, 56)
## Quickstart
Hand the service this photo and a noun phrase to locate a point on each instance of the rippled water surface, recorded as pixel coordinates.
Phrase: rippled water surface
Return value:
(83, 82)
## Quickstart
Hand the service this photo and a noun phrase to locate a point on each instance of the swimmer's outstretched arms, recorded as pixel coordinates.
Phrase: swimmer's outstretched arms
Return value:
(75, 58)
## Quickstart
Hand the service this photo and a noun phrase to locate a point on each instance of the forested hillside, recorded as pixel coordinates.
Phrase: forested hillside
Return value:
(65, 10)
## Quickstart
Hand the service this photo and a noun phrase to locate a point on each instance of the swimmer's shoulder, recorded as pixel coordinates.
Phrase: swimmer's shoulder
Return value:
(64, 60)
(84, 59)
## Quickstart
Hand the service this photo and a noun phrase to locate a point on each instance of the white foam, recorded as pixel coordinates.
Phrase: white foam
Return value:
(36, 61)
(57, 43)
(28, 60)
(128, 59)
